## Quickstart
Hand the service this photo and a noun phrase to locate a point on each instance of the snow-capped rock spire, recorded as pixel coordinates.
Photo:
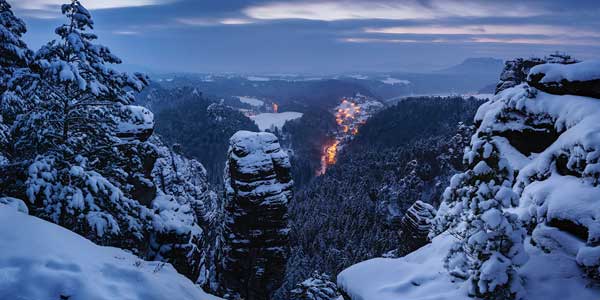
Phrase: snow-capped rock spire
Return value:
(254, 241)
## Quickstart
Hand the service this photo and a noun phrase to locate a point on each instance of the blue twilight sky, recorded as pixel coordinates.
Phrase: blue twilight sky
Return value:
(326, 36)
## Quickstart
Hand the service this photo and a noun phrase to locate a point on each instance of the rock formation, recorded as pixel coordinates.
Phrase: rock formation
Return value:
(581, 79)
(415, 226)
(515, 71)
(521, 222)
(254, 240)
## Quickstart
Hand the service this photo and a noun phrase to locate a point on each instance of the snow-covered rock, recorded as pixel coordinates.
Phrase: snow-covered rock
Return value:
(581, 78)
(254, 242)
(522, 222)
(184, 213)
(40, 260)
(139, 124)
(415, 227)
(516, 71)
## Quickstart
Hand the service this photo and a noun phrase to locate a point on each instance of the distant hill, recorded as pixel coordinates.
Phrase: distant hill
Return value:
(487, 65)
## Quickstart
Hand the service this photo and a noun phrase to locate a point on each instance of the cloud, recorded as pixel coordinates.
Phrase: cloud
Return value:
(126, 32)
(539, 41)
(525, 29)
(376, 40)
(213, 22)
(386, 10)
(235, 21)
(480, 40)
(46, 9)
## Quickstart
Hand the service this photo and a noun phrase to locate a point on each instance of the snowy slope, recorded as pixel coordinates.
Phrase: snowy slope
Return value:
(40, 260)
(265, 121)
(421, 276)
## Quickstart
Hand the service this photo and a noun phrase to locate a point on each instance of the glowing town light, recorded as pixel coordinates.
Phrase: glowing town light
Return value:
(331, 153)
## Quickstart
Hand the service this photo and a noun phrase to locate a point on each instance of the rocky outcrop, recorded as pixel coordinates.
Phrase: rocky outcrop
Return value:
(415, 226)
(254, 240)
(515, 71)
(137, 124)
(520, 219)
(581, 79)
(184, 211)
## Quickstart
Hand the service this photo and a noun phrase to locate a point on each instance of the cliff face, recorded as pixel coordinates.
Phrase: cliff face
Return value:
(254, 241)
(183, 212)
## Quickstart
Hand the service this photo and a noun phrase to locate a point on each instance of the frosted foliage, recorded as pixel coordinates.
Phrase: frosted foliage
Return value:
(490, 240)
(83, 200)
(317, 287)
(557, 185)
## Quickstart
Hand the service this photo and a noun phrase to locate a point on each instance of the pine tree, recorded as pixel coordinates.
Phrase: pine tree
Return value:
(67, 143)
(85, 159)
(78, 89)
(14, 60)
(489, 245)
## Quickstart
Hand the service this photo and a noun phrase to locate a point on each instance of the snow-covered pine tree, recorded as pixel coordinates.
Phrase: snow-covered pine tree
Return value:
(68, 140)
(13, 51)
(489, 244)
(78, 87)
(14, 60)
(317, 287)
(84, 158)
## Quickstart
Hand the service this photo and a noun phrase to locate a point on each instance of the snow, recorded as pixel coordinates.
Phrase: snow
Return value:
(359, 77)
(394, 81)
(257, 78)
(421, 276)
(553, 199)
(40, 260)
(582, 71)
(15, 204)
(250, 100)
(267, 121)
(139, 120)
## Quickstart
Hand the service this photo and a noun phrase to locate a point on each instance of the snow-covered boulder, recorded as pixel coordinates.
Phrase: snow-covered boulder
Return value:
(40, 260)
(137, 124)
(254, 241)
(582, 79)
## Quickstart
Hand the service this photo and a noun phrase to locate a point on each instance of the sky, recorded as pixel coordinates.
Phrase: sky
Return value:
(327, 36)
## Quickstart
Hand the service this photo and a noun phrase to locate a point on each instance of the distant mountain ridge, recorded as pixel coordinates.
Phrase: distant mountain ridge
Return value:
(477, 65)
